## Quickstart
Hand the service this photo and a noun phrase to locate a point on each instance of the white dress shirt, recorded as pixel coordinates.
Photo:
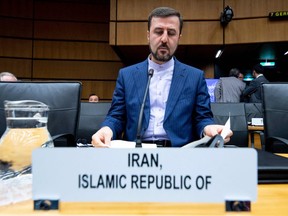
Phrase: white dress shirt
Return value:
(158, 93)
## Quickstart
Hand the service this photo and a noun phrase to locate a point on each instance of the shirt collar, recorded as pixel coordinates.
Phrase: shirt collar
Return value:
(259, 75)
(160, 67)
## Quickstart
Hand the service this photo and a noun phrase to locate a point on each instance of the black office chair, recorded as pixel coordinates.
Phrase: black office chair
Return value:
(253, 110)
(91, 116)
(63, 99)
(275, 110)
(237, 119)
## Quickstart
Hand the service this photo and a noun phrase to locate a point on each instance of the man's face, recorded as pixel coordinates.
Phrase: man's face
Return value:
(163, 38)
(94, 99)
(241, 76)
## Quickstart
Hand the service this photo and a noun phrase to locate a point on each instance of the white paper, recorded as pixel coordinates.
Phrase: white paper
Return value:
(226, 129)
(129, 144)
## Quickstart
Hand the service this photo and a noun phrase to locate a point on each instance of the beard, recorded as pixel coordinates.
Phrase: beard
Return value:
(161, 58)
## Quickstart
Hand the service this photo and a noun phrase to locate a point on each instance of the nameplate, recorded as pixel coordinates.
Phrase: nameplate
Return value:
(144, 175)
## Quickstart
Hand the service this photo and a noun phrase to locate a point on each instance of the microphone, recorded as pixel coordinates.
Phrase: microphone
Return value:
(138, 136)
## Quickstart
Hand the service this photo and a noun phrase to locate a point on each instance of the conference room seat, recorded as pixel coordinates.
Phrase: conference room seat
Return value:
(62, 98)
(239, 126)
(91, 116)
(253, 110)
(275, 110)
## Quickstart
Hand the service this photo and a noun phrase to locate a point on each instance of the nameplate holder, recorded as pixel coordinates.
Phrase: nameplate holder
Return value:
(257, 121)
(115, 178)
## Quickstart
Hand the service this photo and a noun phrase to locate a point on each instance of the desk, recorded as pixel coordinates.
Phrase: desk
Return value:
(255, 141)
(272, 200)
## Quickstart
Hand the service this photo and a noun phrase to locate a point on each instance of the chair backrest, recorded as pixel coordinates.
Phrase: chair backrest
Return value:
(63, 99)
(91, 116)
(239, 126)
(253, 110)
(275, 110)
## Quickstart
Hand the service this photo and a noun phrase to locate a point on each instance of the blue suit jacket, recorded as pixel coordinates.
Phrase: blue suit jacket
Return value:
(187, 110)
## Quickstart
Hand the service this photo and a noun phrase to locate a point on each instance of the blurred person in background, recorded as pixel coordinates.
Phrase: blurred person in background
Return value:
(8, 77)
(252, 93)
(229, 89)
(93, 98)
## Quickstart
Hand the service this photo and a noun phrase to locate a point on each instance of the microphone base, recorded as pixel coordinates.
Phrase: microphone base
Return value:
(138, 144)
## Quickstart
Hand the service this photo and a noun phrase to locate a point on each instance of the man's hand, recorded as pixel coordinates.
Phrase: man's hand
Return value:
(102, 137)
(212, 130)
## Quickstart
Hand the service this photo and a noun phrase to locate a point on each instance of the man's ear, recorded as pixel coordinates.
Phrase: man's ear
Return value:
(148, 36)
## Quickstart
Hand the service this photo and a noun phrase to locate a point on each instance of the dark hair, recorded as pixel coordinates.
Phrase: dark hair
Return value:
(258, 68)
(234, 72)
(93, 94)
(165, 12)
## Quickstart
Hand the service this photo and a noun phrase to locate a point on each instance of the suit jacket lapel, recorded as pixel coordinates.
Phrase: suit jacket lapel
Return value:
(140, 80)
(179, 77)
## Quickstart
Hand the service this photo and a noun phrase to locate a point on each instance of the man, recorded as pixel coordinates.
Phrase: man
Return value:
(240, 76)
(252, 92)
(7, 77)
(229, 89)
(93, 98)
(177, 109)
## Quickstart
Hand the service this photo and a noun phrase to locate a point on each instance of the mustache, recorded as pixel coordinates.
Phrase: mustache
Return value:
(163, 46)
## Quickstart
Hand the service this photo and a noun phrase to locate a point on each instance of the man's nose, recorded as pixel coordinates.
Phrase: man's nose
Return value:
(164, 37)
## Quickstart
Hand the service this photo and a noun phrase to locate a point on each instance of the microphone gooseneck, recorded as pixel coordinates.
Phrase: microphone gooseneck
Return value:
(138, 136)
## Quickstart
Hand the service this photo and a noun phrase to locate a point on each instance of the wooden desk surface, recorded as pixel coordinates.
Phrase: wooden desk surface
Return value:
(272, 200)
(255, 128)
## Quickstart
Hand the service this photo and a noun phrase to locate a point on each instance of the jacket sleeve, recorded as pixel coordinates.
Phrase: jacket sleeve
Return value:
(218, 91)
(250, 89)
(116, 117)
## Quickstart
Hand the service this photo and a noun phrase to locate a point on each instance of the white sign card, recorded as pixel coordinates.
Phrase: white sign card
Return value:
(144, 175)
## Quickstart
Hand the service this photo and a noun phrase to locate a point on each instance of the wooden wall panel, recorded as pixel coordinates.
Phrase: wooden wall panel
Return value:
(15, 27)
(76, 70)
(72, 31)
(200, 33)
(113, 9)
(132, 33)
(74, 50)
(205, 32)
(112, 33)
(20, 67)
(83, 11)
(20, 48)
(201, 21)
(256, 8)
(69, 40)
(16, 8)
(256, 30)
(190, 9)
(103, 89)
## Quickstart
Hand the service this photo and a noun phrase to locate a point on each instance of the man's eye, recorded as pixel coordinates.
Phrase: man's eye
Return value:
(159, 32)
(171, 33)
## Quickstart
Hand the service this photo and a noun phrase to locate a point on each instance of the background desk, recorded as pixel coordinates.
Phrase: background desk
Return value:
(272, 200)
(254, 137)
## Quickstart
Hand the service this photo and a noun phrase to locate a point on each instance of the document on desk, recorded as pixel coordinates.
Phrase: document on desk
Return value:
(206, 139)
(226, 128)
(129, 144)
(132, 144)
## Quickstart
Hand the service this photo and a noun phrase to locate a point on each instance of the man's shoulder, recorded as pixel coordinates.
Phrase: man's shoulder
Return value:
(262, 79)
(188, 69)
(186, 66)
(138, 65)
